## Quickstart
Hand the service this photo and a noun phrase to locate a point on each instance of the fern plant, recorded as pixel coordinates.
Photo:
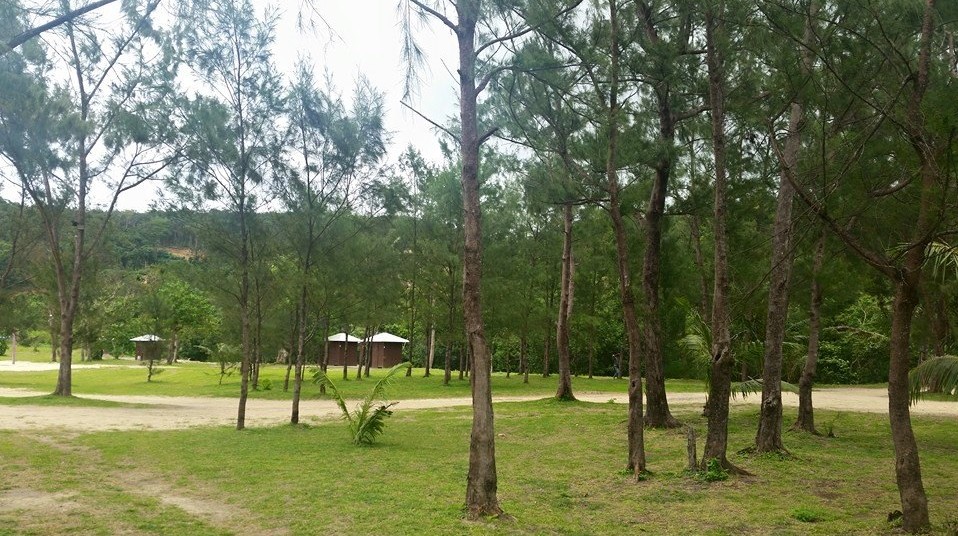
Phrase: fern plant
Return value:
(368, 420)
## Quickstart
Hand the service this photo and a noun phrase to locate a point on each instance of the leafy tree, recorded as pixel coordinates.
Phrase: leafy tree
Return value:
(233, 141)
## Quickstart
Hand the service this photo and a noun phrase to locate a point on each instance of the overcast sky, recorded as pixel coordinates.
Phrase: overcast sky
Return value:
(363, 37)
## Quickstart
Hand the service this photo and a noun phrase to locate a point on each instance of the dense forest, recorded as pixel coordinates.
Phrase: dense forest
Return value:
(732, 191)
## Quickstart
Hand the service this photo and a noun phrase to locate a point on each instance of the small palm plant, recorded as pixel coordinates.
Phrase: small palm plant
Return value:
(368, 420)
(935, 375)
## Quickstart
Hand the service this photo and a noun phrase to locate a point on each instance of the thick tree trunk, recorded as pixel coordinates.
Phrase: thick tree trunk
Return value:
(907, 467)
(768, 438)
(716, 441)
(769, 435)
(481, 482)
(657, 414)
(564, 391)
(806, 411)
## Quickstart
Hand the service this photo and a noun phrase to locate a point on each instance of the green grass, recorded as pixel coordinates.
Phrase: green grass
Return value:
(559, 467)
(201, 379)
(37, 354)
(72, 401)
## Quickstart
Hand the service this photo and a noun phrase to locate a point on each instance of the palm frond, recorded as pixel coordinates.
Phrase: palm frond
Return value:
(380, 388)
(943, 257)
(938, 374)
(321, 378)
(373, 425)
(754, 386)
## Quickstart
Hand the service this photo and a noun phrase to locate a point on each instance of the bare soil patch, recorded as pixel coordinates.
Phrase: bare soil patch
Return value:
(167, 413)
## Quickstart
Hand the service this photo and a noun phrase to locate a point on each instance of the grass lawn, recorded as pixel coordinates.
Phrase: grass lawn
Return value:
(559, 467)
(36, 354)
(202, 379)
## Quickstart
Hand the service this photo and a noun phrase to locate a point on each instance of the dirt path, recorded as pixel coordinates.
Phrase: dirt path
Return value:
(167, 413)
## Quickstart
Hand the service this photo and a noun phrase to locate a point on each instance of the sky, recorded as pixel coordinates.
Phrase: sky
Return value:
(359, 37)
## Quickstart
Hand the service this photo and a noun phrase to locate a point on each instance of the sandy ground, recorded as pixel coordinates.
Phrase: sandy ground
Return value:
(167, 413)
(41, 366)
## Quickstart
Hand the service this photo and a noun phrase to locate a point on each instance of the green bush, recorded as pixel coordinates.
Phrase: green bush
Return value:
(808, 515)
(714, 472)
(3, 346)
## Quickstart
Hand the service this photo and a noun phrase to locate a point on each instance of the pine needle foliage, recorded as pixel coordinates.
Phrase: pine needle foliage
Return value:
(368, 420)
(936, 375)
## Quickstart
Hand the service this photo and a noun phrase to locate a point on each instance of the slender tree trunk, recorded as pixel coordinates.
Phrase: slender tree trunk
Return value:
(716, 441)
(696, 232)
(431, 352)
(300, 355)
(806, 413)
(462, 363)
(524, 357)
(447, 375)
(365, 354)
(564, 391)
(369, 353)
(244, 319)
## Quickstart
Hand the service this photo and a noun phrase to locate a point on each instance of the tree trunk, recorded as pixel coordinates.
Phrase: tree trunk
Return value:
(768, 438)
(657, 414)
(244, 319)
(716, 441)
(524, 357)
(481, 482)
(806, 413)
(636, 437)
(546, 347)
(300, 355)
(564, 391)
(447, 375)
(462, 363)
(430, 354)
(907, 467)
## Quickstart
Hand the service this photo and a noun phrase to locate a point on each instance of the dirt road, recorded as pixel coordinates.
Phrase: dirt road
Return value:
(166, 413)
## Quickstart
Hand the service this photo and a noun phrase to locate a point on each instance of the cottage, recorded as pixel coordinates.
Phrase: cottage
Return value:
(148, 347)
(342, 349)
(386, 349)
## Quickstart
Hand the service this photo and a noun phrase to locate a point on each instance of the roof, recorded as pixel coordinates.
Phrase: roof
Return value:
(146, 338)
(387, 337)
(343, 337)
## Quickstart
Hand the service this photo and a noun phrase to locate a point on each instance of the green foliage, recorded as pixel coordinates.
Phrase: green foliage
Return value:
(754, 387)
(936, 375)
(368, 420)
(714, 472)
(809, 514)
(3, 345)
